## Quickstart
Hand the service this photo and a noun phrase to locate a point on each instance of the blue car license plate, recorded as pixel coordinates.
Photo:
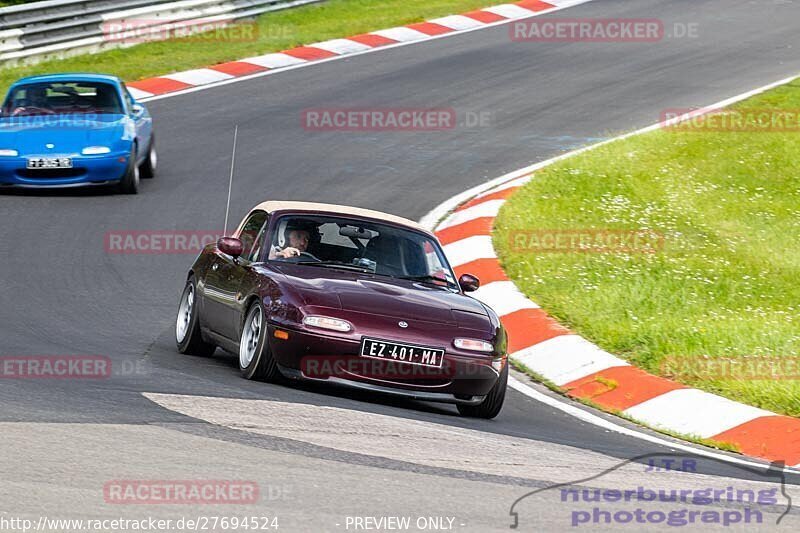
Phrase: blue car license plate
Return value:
(49, 162)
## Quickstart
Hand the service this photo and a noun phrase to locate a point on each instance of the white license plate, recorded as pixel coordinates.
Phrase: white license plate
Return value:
(50, 162)
(406, 353)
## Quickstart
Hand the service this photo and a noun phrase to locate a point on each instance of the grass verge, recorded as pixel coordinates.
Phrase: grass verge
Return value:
(275, 32)
(716, 306)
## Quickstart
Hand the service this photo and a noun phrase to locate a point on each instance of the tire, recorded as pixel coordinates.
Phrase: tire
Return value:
(187, 327)
(147, 170)
(490, 407)
(130, 181)
(255, 358)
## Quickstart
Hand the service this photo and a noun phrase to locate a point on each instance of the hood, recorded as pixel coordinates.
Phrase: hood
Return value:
(68, 133)
(380, 295)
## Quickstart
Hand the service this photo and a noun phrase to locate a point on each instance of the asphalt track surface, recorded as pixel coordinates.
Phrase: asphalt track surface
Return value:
(321, 454)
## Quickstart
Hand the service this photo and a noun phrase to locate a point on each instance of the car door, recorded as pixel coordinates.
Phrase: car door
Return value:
(222, 299)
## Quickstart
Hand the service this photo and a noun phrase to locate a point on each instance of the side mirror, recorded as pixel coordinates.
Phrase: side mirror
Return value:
(137, 109)
(469, 283)
(231, 246)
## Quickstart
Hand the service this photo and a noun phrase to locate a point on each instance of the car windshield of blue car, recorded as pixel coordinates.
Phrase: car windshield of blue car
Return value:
(58, 98)
(349, 244)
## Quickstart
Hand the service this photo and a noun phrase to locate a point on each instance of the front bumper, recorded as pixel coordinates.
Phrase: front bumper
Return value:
(86, 170)
(309, 356)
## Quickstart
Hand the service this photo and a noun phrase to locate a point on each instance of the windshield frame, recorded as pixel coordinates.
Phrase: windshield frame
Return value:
(6, 111)
(277, 216)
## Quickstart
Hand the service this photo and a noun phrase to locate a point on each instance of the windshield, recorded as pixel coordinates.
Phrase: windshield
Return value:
(334, 242)
(62, 97)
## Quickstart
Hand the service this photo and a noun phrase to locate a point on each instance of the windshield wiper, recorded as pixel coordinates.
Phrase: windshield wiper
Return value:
(427, 278)
(334, 264)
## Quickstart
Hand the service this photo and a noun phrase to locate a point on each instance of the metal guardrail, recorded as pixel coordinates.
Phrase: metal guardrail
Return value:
(59, 28)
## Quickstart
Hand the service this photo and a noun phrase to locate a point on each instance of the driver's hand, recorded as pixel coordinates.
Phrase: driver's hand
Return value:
(289, 252)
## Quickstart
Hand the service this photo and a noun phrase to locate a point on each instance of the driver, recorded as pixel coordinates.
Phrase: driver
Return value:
(297, 239)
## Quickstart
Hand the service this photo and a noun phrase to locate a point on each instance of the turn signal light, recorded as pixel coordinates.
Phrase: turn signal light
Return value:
(326, 322)
(280, 334)
(473, 345)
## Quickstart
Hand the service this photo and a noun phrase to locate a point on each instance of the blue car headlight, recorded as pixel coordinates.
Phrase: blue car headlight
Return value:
(8, 152)
(96, 150)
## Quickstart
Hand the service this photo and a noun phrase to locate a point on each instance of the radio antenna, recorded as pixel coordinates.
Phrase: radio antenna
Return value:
(230, 180)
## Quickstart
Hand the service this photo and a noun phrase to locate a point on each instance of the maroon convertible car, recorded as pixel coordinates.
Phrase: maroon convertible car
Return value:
(348, 296)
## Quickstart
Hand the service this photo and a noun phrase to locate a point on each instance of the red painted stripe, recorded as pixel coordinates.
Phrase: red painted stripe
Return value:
(309, 53)
(487, 270)
(478, 226)
(372, 40)
(528, 327)
(159, 85)
(484, 16)
(775, 438)
(535, 5)
(430, 28)
(238, 68)
(499, 195)
(620, 387)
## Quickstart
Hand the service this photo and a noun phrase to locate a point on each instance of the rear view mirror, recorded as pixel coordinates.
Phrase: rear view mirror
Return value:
(469, 283)
(354, 232)
(230, 246)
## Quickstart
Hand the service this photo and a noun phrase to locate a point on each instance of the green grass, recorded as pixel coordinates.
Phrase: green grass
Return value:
(725, 285)
(276, 31)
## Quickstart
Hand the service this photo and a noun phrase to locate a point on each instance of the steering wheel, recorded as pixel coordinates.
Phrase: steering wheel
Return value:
(310, 256)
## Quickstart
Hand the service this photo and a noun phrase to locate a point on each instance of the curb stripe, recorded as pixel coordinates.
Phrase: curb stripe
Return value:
(776, 438)
(509, 11)
(401, 34)
(621, 387)
(694, 412)
(430, 28)
(238, 68)
(200, 76)
(342, 46)
(503, 194)
(159, 85)
(457, 22)
(309, 53)
(469, 249)
(275, 60)
(485, 209)
(372, 40)
(535, 5)
(487, 17)
(478, 226)
(566, 358)
(504, 297)
(528, 327)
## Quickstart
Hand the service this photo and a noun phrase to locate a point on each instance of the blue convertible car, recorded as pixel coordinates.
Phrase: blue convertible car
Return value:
(66, 130)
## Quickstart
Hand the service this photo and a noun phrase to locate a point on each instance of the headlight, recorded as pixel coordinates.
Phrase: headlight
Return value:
(96, 150)
(326, 322)
(8, 153)
(474, 345)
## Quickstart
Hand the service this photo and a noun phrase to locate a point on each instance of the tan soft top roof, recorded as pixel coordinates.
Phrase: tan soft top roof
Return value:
(281, 205)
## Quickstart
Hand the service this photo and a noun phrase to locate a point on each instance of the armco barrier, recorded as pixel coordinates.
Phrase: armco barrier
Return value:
(58, 28)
